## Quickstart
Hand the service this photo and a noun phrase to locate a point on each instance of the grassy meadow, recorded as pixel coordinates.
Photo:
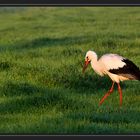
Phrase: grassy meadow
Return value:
(42, 88)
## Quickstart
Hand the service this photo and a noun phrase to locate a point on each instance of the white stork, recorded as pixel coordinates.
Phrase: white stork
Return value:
(115, 66)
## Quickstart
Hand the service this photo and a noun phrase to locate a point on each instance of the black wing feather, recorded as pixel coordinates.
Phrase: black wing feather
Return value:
(130, 70)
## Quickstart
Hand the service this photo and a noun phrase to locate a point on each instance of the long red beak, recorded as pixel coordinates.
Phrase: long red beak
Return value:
(85, 65)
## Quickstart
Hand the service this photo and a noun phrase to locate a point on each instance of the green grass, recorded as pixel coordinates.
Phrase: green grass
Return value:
(42, 89)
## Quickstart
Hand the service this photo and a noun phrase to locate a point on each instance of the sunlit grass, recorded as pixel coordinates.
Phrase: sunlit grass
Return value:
(42, 88)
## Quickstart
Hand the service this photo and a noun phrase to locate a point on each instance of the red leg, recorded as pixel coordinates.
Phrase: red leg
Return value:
(120, 92)
(107, 94)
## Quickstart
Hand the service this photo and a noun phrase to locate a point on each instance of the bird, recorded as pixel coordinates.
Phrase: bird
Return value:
(117, 67)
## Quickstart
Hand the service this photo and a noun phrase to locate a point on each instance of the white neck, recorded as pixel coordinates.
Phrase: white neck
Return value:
(96, 66)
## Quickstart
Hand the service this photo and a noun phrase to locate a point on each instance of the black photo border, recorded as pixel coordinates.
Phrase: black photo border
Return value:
(69, 2)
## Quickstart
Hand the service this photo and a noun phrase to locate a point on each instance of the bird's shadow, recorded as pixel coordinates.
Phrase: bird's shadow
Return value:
(96, 84)
(87, 82)
(104, 83)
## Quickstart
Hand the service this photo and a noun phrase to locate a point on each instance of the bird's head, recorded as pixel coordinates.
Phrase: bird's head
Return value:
(90, 55)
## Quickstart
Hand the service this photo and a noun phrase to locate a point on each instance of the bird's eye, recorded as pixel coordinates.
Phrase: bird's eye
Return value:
(87, 58)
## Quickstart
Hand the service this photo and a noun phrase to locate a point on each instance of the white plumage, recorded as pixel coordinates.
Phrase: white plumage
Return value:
(112, 61)
(115, 66)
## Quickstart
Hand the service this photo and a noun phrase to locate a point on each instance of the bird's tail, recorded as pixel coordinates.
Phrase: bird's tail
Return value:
(138, 75)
